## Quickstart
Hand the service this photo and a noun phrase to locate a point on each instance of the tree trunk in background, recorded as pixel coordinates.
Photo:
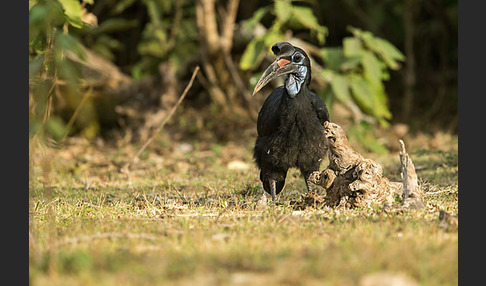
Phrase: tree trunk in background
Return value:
(441, 79)
(409, 78)
(222, 80)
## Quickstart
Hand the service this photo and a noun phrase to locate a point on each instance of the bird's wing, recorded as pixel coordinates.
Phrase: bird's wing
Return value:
(268, 117)
(320, 108)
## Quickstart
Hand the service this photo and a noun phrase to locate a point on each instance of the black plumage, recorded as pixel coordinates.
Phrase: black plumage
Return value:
(290, 122)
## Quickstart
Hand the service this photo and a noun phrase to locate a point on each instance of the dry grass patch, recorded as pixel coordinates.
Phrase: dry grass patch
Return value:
(188, 218)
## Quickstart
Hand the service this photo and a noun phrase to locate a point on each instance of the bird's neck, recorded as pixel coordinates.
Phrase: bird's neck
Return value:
(297, 106)
(295, 81)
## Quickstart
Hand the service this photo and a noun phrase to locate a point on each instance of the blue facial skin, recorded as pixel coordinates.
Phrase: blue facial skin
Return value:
(294, 81)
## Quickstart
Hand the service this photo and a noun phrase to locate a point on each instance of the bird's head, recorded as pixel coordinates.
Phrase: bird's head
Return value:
(291, 61)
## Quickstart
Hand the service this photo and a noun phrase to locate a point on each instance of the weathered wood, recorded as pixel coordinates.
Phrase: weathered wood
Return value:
(412, 194)
(351, 180)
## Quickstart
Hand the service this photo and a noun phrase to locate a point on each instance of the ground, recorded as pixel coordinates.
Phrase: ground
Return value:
(190, 213)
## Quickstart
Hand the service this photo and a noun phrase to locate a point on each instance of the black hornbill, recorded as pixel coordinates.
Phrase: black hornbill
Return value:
(290, 122)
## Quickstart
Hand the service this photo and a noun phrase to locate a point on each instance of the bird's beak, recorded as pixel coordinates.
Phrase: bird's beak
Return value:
(277, 68)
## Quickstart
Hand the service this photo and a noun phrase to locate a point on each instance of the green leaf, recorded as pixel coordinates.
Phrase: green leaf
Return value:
(360, 34)
(351, 64)
(66, 69)
(253, 54)
(387, 49)
(370, 98)
(333, 57)
(363, 133)
(340, 87)
(65, 42)
(151, 48)
(154, 12)
(283, 10)
(303, 16)
(42, 17)
(352, 47)
(326, 95)
(254, 79)
(103, 51)
(37, 15)
(55, 126)
(271, 37)
(380, 108)
(104, 46)
(372, 67)
(389, 53)
(32, 3)
(72, 9)
(35, 66)
(121, 6)
(109, 42)
(251, 23)
(362, 93)
(115, 25)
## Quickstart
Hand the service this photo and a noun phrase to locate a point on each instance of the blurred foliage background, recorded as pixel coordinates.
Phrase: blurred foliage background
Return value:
(114, 68)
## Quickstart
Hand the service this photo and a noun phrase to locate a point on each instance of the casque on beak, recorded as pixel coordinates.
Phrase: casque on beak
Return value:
(279, 67)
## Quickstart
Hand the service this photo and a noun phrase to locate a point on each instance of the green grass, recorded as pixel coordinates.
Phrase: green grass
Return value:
(184, 219)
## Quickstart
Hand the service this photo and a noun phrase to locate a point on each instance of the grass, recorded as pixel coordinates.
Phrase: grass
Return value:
(185, 218)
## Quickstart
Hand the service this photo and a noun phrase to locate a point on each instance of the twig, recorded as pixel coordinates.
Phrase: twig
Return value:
(47, 114)
(75, 113)
(186, 90)
(241, 86)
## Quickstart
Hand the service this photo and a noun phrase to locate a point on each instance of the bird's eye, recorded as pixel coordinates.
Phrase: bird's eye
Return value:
(298, 58)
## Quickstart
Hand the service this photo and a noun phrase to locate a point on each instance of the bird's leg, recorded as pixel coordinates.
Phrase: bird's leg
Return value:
(308, 181)
(273, 190)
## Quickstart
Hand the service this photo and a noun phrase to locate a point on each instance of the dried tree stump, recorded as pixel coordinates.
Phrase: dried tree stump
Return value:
(351, 180)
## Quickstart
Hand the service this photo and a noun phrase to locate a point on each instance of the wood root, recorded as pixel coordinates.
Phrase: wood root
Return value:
(351, 180)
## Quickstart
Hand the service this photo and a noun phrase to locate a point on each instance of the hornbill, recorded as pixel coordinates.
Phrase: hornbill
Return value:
(290, 122)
